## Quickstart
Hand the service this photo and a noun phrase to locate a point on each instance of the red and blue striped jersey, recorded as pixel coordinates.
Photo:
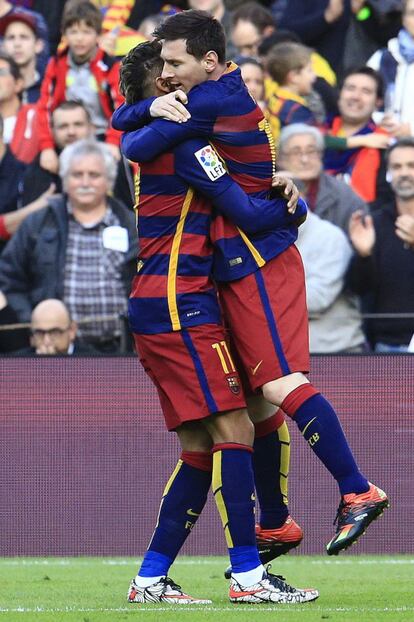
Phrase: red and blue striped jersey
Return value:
(223, 111)
(173, 288)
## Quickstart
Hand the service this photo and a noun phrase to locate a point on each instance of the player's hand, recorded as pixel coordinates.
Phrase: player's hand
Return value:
(171, 107)
(49, 160)
(288, 190)
(404, 229)
(362, 233)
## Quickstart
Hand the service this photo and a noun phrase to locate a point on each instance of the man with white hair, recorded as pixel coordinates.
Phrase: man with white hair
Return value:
(300, 153)
(80, 249)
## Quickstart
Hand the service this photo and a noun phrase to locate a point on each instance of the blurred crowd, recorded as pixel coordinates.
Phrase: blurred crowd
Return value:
(335, 80)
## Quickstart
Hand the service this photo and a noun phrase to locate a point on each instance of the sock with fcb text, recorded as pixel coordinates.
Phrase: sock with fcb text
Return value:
(320, 426)
(182, 502)
(271, 460)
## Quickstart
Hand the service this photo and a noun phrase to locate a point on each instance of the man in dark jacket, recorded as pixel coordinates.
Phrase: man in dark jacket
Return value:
(383, 266)
(80, 249)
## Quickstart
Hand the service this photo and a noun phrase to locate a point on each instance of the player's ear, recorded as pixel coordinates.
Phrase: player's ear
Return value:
(210, 61)
(162, 85)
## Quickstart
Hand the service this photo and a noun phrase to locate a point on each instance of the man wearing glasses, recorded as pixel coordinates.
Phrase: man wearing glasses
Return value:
(52, 331)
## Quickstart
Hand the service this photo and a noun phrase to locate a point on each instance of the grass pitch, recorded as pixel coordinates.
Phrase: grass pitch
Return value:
(354, 589)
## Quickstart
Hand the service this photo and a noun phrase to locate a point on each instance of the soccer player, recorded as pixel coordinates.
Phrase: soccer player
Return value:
(261, 280)
(182, 345)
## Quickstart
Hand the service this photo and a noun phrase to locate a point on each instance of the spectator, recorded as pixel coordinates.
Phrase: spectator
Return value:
(23, 44)
(83, 72)
(301, 152)
(11, 221)
(54, 332)
(51, 12)
(19, 122)
(10, 338)
(372, 25)
(324, 87)
(335, 323)
(81, 249)
(289, 64)
(383, 266)
(11, 174)
(358, 166)
(253, 76)
(251, 23)
(396, 67)
(7, 9)
(321, 24)
(70, 122)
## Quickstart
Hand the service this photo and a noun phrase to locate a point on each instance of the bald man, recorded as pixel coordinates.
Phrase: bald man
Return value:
(53, 331)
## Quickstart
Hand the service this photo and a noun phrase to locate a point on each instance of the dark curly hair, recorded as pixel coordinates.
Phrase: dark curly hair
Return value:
(139, 68)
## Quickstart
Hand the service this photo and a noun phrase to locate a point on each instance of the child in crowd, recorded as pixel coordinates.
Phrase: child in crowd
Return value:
(82, 72)
(289, 64)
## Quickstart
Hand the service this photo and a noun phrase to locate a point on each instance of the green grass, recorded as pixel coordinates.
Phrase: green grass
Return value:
(351, 589)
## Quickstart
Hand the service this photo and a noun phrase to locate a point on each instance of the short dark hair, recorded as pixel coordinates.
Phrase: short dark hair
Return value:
(71, 104)
(254, 13)
(77, 11)
(139, 68)
(278, 36)
(200, 31)
(285, 57)
(366, 71)
(14, 67)
(402, 143)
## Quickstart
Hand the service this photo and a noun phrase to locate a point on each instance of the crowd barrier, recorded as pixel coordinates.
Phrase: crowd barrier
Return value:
(85, 456)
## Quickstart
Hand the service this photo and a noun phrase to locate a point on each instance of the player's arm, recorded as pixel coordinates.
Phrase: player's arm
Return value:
(130, 117)
(160, 135)
(197, 163)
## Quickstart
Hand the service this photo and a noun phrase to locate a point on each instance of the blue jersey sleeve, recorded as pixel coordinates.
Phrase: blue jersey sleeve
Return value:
(132, 116)
(143, 145)
(197, 163)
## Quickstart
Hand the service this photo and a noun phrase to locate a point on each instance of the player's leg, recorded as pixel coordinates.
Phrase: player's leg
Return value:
(183, 500)
(233, 489)
(267, 316)
(276, 531)
(185, 400)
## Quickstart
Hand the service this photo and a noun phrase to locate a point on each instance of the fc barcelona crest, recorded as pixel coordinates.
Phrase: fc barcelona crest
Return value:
(234, 385)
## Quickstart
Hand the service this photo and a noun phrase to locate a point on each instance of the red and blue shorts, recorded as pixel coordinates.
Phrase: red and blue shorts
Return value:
(268, 320)
(193, 372)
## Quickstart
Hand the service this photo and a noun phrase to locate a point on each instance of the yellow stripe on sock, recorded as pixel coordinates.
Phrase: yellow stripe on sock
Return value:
(218, 497)
(284, 438)
(165, 493)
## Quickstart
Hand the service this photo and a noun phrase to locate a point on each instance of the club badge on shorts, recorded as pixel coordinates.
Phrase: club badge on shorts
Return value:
(234, 385)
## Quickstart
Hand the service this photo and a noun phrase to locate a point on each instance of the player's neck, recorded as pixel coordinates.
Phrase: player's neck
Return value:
(218, 72)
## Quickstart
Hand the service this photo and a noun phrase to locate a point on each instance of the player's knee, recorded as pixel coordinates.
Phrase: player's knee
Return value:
(277, 390)
(231, 427)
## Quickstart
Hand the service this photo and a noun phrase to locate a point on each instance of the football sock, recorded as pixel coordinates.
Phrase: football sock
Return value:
(182, 502)
(233, 489)
(271, 459)
(319, 425)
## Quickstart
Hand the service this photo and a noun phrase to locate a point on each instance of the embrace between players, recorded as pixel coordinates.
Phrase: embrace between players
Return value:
(207, 224)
